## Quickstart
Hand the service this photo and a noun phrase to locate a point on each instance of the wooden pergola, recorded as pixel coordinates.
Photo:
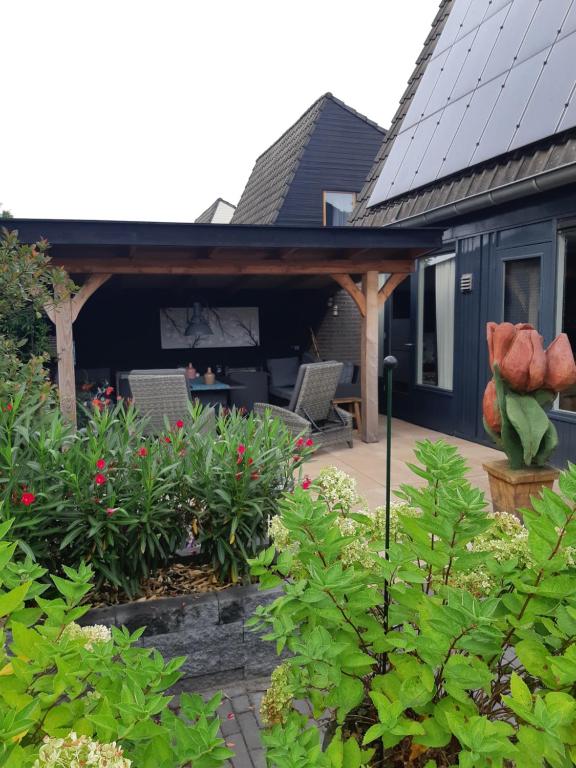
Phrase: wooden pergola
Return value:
(92, 252)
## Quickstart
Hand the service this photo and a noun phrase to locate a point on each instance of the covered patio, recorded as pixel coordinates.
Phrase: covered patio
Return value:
(95, 253)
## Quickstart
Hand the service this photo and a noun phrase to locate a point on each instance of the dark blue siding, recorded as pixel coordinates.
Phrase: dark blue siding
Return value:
(338, 157)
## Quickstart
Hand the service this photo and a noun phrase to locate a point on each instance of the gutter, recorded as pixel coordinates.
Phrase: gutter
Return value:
(541, 182)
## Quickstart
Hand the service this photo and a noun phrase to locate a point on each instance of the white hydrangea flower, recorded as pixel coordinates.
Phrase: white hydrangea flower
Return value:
(338, 489)
(75, 751)
(96, 633)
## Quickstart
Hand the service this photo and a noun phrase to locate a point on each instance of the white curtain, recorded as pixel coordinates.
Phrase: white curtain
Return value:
(445, 281)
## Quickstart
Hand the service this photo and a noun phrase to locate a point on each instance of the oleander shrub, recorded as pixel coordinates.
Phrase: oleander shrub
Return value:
(125, 502)
(75, 696)
(407, 664)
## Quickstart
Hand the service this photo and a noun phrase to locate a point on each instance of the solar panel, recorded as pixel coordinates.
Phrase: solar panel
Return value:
(502, 76)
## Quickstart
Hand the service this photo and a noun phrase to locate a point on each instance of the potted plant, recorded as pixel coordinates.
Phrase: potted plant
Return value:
(526, 381)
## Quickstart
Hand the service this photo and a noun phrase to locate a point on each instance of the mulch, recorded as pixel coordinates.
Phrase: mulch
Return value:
(175, 580)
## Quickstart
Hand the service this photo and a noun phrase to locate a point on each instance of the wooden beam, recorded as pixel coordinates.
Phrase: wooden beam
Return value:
(347, 284)
(208, 267)
(90, 286)
(369, 359)
(387, 289)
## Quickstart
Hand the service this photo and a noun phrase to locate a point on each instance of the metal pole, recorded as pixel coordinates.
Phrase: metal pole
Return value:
(390, 363)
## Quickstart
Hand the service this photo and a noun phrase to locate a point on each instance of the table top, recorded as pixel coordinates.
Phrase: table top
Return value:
(222, 382)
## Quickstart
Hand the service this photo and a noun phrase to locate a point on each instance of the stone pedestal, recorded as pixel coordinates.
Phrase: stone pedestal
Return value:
(511, 489)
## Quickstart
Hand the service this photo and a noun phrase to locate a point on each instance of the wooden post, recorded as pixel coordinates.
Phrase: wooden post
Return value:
(63, 313)
(369, 358)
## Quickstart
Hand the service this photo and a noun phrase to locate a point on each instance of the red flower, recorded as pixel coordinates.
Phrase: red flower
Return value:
(100, 464)
(309, 442)
(142, 451)
(238, 475)
(167, 439)
(254, 476)
(27, 498)
(97, 404)
(99, 479)
(9, 407)
(306, 483)
(108, 391)
(239, 459)
(179, 424)
(110, 511)
(250, 462)
(300, 442)
(241, 449)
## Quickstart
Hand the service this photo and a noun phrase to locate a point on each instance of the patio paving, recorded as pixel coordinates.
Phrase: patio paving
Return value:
(366, 462)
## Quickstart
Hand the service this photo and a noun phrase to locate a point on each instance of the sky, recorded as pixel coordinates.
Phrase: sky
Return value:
(151, 109)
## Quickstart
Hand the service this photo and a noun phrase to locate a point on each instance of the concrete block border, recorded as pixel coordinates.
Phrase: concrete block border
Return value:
(209, 629)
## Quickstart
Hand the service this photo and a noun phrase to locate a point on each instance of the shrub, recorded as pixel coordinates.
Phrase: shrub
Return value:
(125, 502)
(72, 696)
(413, 669)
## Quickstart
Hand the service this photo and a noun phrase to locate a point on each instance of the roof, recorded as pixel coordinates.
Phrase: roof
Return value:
(477, 185)
(220, 212)
(275, 168)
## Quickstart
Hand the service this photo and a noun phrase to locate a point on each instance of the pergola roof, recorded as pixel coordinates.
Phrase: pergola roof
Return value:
(132, 247)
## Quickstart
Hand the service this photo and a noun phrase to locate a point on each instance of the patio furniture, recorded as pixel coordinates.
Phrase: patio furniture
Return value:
(354, 404)
(311, 411)
(165, 396)
(283, 372)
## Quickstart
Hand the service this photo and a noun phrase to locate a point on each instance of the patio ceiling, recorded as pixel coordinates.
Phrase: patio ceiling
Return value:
(97, 250)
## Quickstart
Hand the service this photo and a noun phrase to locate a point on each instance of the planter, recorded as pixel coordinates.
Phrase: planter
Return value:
(511, 489)
(209, 629)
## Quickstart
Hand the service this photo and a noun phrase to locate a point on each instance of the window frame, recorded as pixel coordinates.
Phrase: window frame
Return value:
(336, 192)
(447, 253)
(561, 414)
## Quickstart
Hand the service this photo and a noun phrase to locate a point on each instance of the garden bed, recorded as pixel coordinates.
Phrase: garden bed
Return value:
(210, 629)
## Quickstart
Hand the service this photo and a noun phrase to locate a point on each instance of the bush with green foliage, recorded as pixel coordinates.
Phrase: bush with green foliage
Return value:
(72, 696)
(125, 502)
(409, 668)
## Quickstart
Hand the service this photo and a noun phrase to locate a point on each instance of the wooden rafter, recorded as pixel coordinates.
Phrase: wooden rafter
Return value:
(347, 284)
(90, 286)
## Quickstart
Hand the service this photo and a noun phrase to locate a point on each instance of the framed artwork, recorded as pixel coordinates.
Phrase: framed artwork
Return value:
(210, 327)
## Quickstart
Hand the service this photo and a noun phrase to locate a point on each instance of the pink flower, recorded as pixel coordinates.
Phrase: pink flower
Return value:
(142, 451)
(306, 483)
(241, 449)
(167, 439)
(100, 464)
(250, 462)
(300, 442)
(27, 498)
(179, 424)
(309, 442)
(99, 479)
(238, 475)
(230, 716)
(254, 476)
(108, 391)
(9, 407)
(110, 511)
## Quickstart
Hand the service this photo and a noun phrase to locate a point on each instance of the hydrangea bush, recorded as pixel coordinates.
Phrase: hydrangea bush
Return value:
(74, 696)
(405, 658)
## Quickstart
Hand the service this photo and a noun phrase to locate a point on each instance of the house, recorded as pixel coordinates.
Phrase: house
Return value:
(220, 212)
(483, 146)
(311, 176)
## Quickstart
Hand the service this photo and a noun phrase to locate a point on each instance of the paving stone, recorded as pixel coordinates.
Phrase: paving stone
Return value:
(258, 758)
(241, 704)
(241, 757)
(250, 730)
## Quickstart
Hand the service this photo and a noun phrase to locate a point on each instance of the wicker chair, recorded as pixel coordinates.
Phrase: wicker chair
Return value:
(165, 397)
(311, 412)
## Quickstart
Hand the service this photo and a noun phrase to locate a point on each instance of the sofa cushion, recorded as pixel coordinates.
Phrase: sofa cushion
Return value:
(283, 371)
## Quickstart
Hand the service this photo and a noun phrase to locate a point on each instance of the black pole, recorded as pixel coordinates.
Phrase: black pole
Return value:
(390, 363)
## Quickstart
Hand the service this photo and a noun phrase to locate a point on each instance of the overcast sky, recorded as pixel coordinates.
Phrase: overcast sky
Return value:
(148, 110)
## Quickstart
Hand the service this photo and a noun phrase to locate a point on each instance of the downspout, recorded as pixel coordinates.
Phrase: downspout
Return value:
(542, 182)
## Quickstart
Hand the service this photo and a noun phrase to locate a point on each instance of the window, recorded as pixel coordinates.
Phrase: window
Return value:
(435, 340)
(337, 208)
(522, 291)
(566, 306)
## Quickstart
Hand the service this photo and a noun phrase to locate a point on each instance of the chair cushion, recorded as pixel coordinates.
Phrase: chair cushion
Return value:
(283, 371)
(284, 393)
(347, 376)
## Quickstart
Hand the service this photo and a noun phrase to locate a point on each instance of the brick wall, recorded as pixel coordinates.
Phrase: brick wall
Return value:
(339, 337)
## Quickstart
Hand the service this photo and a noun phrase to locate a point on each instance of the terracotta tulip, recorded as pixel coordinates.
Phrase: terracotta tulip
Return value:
(523, 366)
(490, 407)
(560, 365)
(499, 337)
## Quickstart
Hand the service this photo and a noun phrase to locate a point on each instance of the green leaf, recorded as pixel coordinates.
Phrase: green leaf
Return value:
(520, 691)
(530, 422)
(9, 601)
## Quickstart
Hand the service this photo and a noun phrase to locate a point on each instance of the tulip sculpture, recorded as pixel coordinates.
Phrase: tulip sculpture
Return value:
(526, 380)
